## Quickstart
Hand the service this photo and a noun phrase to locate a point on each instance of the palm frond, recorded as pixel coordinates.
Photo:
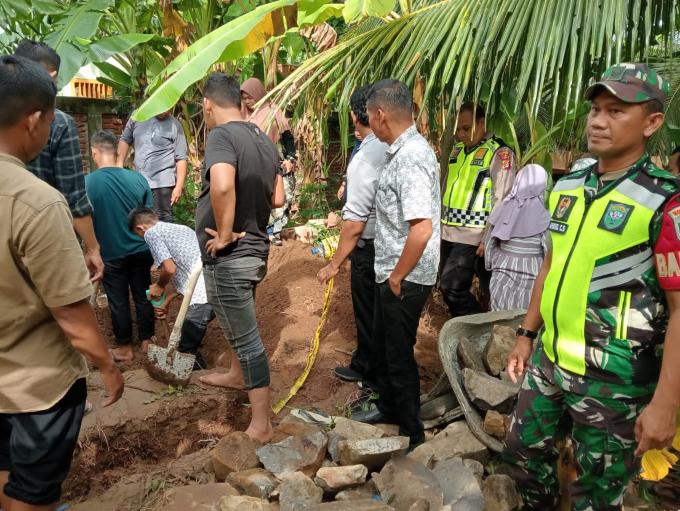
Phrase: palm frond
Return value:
(479, 49)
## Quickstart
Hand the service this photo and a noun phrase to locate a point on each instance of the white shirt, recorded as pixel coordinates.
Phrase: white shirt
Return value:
(179, 243)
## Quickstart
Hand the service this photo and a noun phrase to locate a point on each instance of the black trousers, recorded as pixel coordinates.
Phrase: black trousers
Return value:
(193, 330)
(459, 264)
(161, 203)
(131, 273)
(394, 334)
(362, 280)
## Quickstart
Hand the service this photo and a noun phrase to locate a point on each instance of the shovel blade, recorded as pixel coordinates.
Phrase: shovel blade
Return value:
(176, 369)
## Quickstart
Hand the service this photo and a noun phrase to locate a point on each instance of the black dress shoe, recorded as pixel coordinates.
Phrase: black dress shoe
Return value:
(347, 374)
(372, 416)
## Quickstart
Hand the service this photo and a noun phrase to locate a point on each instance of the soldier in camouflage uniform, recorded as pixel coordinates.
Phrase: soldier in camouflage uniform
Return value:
(603, 305)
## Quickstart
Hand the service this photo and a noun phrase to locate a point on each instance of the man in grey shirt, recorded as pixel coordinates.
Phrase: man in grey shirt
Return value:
(160, 156)
(406, 255)
(356, 238)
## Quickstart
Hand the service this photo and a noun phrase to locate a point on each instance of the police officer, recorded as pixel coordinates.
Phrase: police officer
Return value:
(603, 308)
(481, 173)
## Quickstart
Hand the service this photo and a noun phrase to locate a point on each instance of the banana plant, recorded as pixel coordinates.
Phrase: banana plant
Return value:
(236, 39)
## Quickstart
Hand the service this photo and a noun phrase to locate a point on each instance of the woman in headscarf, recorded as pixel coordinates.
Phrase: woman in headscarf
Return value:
(272, 121)
(516, 240)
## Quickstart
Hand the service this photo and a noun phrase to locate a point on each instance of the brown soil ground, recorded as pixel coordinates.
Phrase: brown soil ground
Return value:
(153, 424)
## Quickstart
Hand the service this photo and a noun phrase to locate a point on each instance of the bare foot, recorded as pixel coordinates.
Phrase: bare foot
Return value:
(144, 348)
(223, 380)
(261, 435)
(123, 354)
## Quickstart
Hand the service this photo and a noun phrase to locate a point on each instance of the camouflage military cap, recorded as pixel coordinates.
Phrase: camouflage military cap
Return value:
(631, 83)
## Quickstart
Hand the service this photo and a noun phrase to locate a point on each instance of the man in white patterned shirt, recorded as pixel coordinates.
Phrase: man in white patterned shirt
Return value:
(175, 252)
(406, 255)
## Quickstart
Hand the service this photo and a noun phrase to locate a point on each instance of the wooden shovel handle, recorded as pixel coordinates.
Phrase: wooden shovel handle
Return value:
(179, 321)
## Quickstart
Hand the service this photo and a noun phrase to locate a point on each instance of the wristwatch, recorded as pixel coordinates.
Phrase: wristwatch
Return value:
(523, 332)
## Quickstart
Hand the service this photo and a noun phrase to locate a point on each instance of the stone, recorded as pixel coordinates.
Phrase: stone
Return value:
(346, 429)
(476, 467)
(197, 497)
(293, 426)
(233, 453)
(420, 505)
(469, 357)
(372, 452)
(424, 454)
(388, 429)
(494, 424)
(403, 482)
(489, 393)
(333, 479)
(438, 406)
(193, 467)
(256, 482)
(297, 491)
(304, 453)
(363, 492)
(498, 348)
(500, 493)
(242, 503)
(354, 505)
(461, 487)
(455, 440)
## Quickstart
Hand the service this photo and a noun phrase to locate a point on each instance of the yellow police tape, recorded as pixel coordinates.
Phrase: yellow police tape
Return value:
(329, 246)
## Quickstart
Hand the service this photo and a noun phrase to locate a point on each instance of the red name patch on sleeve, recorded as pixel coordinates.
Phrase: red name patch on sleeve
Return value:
(667, 248)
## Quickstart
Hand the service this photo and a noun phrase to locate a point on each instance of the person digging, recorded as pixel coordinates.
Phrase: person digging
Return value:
(607, 301)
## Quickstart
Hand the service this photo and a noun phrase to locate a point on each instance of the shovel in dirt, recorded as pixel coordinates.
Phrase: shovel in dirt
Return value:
(168, 365)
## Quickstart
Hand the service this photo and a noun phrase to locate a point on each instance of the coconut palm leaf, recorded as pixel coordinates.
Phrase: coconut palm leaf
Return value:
(478, 49)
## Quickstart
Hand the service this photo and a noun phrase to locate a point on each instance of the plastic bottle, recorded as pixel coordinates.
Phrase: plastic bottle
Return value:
(326, 247)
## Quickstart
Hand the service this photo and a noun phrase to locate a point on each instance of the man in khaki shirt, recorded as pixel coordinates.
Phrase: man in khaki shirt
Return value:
(47, 324)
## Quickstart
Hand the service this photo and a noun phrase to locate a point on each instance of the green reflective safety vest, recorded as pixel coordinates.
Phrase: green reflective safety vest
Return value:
(466, 200)
(602, 309)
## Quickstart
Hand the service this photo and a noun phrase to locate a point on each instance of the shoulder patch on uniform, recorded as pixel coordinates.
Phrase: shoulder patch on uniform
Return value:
(506, 158)
(674, 214)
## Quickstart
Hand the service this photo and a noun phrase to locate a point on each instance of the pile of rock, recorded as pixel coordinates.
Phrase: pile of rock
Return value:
(486, 381)
(348, 466)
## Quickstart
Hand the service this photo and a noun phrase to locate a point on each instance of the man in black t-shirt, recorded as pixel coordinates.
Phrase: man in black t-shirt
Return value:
(240, 186)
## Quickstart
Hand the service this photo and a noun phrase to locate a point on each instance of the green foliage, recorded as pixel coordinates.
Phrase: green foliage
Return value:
(358, 9)
(184, 212)
(313, 203)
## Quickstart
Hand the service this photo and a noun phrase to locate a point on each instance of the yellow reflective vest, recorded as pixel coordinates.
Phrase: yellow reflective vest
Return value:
(603, 311)
(467, 196)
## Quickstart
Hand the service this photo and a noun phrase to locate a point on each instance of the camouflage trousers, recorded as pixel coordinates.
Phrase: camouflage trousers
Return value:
(278, 219)
(602, 433)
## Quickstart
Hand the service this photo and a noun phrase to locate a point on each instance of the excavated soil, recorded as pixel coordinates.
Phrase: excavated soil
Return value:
(154, 424)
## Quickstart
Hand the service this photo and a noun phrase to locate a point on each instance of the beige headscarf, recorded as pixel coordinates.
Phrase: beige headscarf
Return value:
(267, 117)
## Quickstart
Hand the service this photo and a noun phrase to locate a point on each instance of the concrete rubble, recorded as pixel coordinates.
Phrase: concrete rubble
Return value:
(489, 393)
(305, 453)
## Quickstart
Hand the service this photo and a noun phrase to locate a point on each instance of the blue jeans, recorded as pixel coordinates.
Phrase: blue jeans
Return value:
(231, 292)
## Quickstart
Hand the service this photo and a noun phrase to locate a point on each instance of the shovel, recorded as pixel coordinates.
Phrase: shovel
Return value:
(168, 365)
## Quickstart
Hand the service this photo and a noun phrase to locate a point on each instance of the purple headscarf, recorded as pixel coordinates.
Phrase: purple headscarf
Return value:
(522, 213)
